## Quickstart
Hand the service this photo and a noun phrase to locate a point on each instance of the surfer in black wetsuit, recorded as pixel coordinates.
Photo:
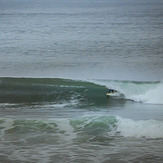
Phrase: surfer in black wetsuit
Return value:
(111, 91)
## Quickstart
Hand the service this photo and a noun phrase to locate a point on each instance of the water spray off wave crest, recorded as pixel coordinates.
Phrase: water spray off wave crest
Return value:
(145, 92)
(153, 96)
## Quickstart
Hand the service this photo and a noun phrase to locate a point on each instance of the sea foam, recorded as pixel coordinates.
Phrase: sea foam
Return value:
(153, 96)
(145, 92)
(143, 128)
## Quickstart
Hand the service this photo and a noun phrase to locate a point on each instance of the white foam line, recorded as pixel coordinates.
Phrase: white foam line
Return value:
(142, 128)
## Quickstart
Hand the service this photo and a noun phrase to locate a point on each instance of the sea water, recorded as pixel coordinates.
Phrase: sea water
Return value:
(57, 61)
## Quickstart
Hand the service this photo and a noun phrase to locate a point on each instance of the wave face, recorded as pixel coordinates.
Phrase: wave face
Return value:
(60, 91)
(145, 92)
(93, 92)
(89, 128)
(115, 126)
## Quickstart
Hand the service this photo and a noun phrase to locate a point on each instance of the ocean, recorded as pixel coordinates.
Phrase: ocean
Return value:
(58, 58)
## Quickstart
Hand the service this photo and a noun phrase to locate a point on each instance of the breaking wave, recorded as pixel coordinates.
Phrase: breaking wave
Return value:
(145, 92)
(88, 128)
(92, 92)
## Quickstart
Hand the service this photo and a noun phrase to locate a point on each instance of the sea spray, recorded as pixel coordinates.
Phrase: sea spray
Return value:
(145, 92)
(142, 128)
(153, 95)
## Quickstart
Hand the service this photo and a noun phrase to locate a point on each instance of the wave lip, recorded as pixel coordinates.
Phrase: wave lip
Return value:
(153, 96)
(145, 92)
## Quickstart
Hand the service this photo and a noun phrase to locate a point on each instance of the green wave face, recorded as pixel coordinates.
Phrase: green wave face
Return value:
(28, 90)
(54, 131)
(86, 93)
(80, 130)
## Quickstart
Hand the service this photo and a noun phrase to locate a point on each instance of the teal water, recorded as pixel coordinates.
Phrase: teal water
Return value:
(62, 120)
(57, 61)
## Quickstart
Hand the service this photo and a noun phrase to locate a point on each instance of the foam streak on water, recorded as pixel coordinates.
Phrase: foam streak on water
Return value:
(148, 129)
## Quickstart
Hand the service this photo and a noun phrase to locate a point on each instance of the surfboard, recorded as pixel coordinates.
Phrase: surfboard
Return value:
(109, 94)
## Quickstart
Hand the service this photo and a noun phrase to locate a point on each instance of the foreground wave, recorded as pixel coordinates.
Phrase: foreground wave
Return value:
(93, 92)
(88, 128)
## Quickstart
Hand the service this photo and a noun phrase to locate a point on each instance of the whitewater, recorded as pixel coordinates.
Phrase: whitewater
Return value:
(145, 92)
(72, 118)
(58, 59)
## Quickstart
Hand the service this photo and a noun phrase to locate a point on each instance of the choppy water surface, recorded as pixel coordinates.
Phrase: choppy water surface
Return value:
(63, 120)
(82, 39)
(57, 61)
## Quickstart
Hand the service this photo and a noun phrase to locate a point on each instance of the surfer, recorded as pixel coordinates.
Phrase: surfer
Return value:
(110, 92)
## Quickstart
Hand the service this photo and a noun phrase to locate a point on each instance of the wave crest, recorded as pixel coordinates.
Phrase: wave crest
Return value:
(143, 128)
(146, 92)
(153, 96)
(17, 90)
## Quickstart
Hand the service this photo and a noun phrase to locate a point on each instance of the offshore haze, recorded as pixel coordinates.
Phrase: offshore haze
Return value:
(84, 39)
